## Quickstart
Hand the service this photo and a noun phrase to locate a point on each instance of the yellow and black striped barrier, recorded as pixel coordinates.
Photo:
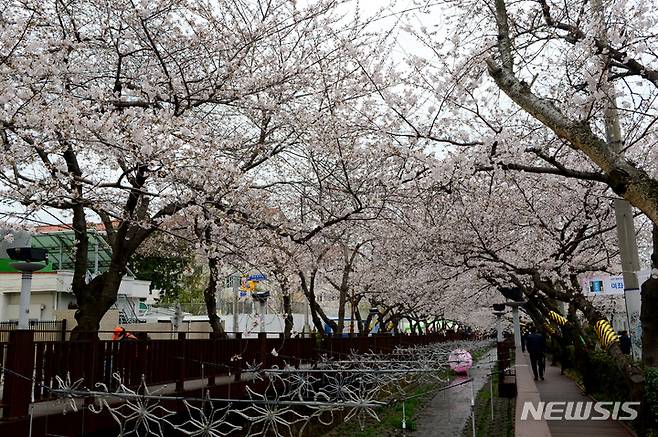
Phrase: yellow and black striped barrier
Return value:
(550, 328)
(557, 318)
(607, 336)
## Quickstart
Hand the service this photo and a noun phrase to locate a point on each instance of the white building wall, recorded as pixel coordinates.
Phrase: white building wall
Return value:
(51, 291)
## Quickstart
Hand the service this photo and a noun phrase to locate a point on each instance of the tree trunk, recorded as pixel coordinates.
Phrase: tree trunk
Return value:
(648, 311)
(342, 301)
(209, 296)
(287, 310)
(94, 300)
(317, 314)
(343, 289)
(364, 325)
(649, 322)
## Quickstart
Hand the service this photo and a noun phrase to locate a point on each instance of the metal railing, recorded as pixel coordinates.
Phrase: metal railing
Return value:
(44, 330)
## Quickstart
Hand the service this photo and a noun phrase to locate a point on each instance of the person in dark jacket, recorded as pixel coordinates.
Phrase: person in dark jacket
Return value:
(535, 345)
(624, 342)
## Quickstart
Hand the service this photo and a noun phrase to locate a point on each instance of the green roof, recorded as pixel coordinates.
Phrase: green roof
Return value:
(61, 249)
(60, 245)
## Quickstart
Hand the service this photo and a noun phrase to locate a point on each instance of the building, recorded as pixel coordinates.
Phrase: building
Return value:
(51, 286)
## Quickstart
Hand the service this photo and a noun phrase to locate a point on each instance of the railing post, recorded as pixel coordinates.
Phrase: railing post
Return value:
(17, 390)
(63, 329)
(262, 347)
(238, 363)
(180, 381)
(93, 369)
(298, 352)
(213, 358)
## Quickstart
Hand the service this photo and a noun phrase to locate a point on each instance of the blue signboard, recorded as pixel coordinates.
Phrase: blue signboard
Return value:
(257, 277)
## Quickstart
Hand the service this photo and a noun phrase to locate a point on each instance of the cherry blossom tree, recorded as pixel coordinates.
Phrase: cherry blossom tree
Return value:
(543, 87)
(129, 113)
(540, 86)
(539, 234)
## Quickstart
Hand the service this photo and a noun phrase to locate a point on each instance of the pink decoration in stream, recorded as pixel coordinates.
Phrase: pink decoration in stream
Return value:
(460, 360)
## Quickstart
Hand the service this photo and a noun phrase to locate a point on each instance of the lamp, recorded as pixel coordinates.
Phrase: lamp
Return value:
(29, 260)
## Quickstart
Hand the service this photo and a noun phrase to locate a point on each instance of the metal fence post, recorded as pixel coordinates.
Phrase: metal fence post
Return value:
(238, 363)
(262, 347)
(63, 329)
(180, 381)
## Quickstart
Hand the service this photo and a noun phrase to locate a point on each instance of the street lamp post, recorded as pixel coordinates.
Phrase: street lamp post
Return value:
(499, 310)
(517, 323)
(28, 260)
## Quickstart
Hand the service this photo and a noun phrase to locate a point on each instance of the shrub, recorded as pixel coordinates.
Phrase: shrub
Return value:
(603, 379)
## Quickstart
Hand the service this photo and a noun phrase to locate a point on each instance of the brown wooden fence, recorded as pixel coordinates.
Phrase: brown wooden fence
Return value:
(163, 361)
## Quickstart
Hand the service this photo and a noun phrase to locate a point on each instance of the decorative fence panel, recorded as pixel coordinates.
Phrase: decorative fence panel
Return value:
(55, 363)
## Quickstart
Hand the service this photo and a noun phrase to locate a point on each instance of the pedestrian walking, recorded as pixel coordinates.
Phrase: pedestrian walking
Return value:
(536, 345)
(624, 342)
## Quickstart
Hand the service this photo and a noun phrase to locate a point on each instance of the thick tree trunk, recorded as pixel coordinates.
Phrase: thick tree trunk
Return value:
(94, 300)
(649, 322)
(364, 325)
(318, 316)
(649, 310)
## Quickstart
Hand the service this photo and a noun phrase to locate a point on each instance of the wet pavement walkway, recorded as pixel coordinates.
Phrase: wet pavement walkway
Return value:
(556, 388)
(446, 414)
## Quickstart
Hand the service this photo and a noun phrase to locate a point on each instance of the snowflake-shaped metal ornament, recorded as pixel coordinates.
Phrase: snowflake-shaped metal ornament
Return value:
(139, 413)
(362, 401)
(207, 420)
(268, 416)
(254, 368)
(67, 392)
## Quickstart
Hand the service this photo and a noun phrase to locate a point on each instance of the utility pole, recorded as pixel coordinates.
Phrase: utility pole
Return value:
(628, 252)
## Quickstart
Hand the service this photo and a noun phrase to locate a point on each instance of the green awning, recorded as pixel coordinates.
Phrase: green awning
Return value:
(61, 248)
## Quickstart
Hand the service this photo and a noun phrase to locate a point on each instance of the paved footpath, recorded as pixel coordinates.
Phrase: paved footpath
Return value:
(559, 388)
(446, 414)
